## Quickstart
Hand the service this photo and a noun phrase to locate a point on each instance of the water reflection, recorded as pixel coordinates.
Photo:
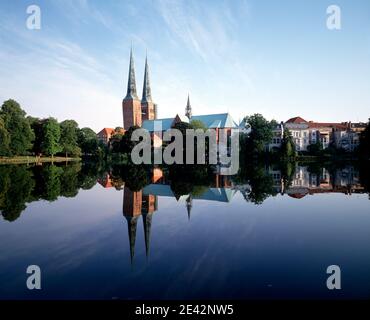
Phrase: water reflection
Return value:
(211, 233)
(141, 186)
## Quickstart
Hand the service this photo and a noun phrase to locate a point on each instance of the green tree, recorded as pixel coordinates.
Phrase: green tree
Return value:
(260, 135)
(315, 149)
(88, 141)
(4, 139)
(68, 138)
(287, 150)
(20, 133)
(37, 127)
(197, 124)
(51, 134)
(365, 142)
(127, 144)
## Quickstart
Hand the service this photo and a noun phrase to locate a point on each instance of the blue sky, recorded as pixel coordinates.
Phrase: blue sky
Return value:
(273, 57)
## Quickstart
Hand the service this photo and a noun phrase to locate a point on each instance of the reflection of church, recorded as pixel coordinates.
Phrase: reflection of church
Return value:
(136, 204)
(144, 203)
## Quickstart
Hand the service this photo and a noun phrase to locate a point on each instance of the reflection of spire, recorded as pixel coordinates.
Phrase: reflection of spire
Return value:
(132, 224)
(189, 205)
(147, 221)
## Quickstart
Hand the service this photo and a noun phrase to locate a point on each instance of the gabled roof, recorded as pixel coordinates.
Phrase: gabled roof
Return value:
(106, 131)
(222, 120)
(297, 120)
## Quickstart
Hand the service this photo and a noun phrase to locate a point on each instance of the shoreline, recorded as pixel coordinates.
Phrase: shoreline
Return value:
(35, 160)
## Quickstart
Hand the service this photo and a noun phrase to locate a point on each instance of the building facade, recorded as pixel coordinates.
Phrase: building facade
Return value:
(344, 135)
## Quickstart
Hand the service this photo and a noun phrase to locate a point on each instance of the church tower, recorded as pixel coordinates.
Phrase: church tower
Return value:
(188, 112)
(148, 108)
(131, 106)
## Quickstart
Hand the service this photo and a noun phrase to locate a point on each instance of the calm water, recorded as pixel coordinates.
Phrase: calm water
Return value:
(124, 233)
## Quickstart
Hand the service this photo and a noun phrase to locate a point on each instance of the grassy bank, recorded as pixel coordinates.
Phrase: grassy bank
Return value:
(32, 159)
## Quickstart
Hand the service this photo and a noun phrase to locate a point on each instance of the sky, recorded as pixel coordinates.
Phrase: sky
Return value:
(277, 58)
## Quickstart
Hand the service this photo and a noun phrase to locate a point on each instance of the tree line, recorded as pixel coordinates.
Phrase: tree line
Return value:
(22, 135)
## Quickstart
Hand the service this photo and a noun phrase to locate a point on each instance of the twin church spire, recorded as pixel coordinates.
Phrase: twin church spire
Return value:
(131, 85)
(134, 110)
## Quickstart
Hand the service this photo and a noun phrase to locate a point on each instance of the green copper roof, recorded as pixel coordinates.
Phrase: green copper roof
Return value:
(222, 120)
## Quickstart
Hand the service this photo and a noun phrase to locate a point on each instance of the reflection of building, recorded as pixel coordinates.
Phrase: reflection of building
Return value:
(106, 181)
(304, 182)
(144, 203)
(135, 204)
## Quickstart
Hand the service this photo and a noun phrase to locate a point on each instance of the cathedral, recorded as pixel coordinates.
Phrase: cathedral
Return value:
(134, 110)
(143, 113)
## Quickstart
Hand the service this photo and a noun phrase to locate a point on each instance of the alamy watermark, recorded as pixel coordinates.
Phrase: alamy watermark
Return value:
(34, 280)
(33, 21)
(195, 146)
(334, 19)
(334, 280)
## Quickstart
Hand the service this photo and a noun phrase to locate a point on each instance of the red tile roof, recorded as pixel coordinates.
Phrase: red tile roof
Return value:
(296, 120)
(106, 131)
(341, 126)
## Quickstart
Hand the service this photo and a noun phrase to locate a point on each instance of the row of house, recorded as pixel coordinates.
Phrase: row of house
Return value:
(344, 135)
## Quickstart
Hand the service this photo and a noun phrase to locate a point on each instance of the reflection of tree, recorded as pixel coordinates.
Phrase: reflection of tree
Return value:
(262, 185)
(69, 180)
(186, 179)
(20, 185)
(89, 174)
(365, 175)
(136, 177)
(260, 181)
(51, 180)
(16, 184)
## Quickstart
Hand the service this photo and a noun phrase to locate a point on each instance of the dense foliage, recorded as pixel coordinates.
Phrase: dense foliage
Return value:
(23, 136)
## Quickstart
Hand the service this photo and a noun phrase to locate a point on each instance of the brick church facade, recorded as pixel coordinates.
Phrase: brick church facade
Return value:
(135, 111)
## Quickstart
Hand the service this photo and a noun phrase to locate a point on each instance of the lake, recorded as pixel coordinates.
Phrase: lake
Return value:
(100, 231)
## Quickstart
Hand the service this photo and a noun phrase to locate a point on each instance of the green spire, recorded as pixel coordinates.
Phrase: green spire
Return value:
(147, 92)
(131, 85)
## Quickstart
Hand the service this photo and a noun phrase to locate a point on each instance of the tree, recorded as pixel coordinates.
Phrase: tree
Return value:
(69, 137)
(197, 124)
(51, 134)
(287, 150)
(260, 135)
(88, 141)
(37, 127)
(315, 149)
(365, 142)
(19, 129)
(4, 139)
(126, 143)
